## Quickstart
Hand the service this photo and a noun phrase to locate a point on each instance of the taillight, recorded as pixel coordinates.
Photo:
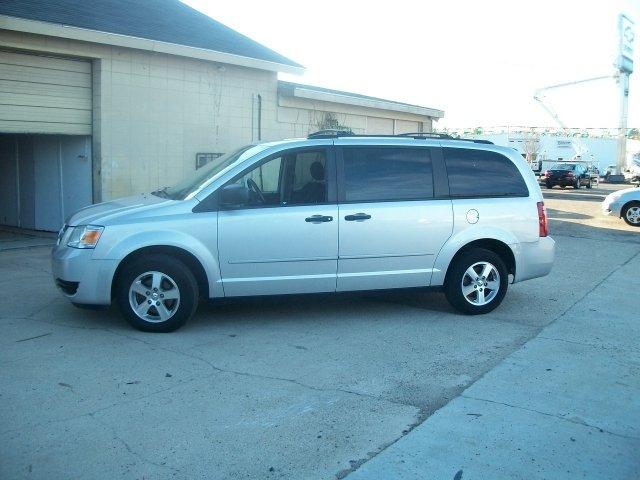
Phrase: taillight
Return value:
(547, 173)
(543, 226)
(569, 174)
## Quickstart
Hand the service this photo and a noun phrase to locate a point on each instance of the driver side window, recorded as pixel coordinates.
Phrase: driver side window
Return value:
(294, 178)
(267, 178)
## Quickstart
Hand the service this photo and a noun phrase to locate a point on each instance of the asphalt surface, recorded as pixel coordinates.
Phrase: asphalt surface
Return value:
(283, 387)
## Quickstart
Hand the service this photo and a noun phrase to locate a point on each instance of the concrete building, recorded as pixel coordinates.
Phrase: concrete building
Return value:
(108, 98)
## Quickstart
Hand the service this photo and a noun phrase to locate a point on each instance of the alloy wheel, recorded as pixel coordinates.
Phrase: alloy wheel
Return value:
(480, 283)
(633, 215)
(154, 297)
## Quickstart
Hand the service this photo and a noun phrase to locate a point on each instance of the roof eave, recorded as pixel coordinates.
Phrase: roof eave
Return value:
(344, 98)
(118, 40)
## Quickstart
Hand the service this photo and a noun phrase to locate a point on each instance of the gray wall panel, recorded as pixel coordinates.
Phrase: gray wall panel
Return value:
(8, 184)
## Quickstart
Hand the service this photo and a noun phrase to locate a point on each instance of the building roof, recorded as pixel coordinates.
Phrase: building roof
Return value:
(167, 21)
(311, 92)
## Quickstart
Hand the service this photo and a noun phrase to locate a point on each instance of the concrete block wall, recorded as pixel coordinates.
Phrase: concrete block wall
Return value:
(159, 111)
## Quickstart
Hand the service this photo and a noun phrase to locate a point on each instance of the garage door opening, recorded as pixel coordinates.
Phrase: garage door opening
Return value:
(45, 138)
(43, 179)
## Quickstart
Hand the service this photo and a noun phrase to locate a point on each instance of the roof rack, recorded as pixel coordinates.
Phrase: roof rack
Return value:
(331, 133)
(425, 135)
(336, 133)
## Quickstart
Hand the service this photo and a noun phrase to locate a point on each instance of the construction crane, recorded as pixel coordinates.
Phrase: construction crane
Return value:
(539, 96)
(624, 68)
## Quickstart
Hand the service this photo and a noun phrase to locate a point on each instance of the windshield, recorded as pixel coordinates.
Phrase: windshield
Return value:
(564, 166)
(189, 185)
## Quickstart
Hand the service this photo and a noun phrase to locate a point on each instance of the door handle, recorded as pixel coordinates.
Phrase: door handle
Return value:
(318, 219)
(357, 217)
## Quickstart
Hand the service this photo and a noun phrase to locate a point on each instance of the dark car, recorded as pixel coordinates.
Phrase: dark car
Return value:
(567, 175)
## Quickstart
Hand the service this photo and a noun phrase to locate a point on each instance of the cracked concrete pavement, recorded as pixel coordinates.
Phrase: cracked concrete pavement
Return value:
(565, 405)
(333, 385)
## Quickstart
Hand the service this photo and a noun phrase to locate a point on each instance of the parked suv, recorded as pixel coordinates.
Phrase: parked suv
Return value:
(333, 212)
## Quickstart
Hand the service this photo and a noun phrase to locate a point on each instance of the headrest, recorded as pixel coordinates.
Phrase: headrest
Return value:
(317, 171)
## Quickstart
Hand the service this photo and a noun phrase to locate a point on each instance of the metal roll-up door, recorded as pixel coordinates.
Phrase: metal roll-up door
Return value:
(41, 94)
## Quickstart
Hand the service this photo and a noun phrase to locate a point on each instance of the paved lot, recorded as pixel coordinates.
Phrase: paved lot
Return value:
(288, 387)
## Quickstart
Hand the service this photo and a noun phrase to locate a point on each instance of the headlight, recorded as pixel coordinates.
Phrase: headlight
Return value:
(85, 236)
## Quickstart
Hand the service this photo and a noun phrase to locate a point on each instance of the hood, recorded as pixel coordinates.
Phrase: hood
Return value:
(107, 212)
(625, 191)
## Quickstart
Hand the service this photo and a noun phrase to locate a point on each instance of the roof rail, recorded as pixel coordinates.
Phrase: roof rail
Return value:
(335, 133)
(331, 133)
(443, 136)
(425, 135)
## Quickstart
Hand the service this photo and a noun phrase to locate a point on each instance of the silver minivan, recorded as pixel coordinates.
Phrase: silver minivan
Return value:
(333, 212)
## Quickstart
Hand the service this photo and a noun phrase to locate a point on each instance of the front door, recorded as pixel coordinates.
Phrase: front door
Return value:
(392, 226)
(285, 239)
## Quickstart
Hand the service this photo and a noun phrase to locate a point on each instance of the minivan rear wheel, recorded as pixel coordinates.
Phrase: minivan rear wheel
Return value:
(476, 282)
(157, 293)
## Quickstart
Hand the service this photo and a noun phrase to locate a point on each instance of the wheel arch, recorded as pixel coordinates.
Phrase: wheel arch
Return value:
(450, 253)
(628, 204)
(186, 257)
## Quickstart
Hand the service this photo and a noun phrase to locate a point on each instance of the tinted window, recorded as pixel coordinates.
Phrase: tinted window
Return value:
(564, 166)
(387, 173)
(479, 173)
(308, 183)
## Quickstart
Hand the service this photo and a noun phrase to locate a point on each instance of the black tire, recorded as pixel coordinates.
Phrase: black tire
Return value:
(173, 273)
(624, 211)
(456, 276)
(577, 185)
(589, 185)
(563, 187)
(548, 185)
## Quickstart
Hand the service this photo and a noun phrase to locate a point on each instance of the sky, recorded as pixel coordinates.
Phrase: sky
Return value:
(480, 62)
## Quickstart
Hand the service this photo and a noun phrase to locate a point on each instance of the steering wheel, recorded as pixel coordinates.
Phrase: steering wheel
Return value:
(256, 189)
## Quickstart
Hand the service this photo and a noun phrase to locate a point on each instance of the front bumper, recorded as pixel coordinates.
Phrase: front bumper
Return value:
(612, 208)
(535, 259)
(81, 278)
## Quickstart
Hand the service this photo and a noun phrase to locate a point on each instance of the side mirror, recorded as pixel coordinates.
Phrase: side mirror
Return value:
(234, 195)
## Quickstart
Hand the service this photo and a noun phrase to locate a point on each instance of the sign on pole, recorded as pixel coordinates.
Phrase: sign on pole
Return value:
(625, 65)
(626, 32)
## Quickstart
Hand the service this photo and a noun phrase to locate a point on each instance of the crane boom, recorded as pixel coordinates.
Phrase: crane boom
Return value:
(539, 96)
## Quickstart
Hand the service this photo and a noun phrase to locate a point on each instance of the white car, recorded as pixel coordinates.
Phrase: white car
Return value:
(624, 203)
(331, 213)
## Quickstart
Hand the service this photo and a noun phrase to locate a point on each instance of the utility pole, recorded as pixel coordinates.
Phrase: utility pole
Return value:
(625, 68)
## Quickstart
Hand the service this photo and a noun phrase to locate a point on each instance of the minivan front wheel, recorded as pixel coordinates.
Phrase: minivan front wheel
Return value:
(476, 282)
(157, 293)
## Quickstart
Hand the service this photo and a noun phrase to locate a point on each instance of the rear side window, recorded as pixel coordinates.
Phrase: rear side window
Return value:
(480, 173)
(387, 173)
